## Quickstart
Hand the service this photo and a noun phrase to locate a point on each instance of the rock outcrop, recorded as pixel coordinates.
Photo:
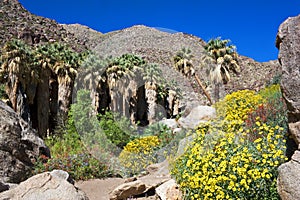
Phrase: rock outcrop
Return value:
(288, 43)
(47, 186)
(19, 146)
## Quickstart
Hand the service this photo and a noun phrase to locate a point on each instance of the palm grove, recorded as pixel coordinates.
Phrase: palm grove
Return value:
(40, 81)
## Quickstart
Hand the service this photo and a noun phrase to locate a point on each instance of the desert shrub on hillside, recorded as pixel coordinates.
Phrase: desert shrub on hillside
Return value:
(236, 156)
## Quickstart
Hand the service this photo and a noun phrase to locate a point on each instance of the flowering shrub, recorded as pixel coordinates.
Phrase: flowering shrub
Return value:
(229, 159)
(138, 154)
(79, 166)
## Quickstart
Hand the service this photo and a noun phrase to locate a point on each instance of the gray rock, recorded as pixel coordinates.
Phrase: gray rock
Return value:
(46, 186)
(170, 123)
(19, 146)
(294, 129)
(288, 43)
(184, 143)
(198, 115)
(288, 179)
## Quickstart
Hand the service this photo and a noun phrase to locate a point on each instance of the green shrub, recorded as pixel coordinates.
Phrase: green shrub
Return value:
(70, 153)
(162, 131)
(117, 128)
(232, 158)
(2, 91)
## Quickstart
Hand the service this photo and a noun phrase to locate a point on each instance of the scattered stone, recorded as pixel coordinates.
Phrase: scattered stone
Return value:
(46, 186)
(19, 146)
(288, 43)
(198, 115)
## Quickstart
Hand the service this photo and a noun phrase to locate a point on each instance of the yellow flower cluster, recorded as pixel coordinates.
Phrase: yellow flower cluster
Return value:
(138, 154)
(240, 163)
(235, 107)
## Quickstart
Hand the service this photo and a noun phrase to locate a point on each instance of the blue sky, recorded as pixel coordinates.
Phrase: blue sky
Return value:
(250, 25)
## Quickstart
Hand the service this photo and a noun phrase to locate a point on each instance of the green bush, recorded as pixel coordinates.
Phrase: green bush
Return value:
(70, 153)
(2, 92)
(162, 131)
(117, 128)
(232, 158)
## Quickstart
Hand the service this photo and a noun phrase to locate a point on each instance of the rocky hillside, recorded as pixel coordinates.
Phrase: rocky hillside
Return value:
(160, 47)
(17, 22)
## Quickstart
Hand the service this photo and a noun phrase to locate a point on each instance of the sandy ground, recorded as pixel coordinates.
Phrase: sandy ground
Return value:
(98, 189)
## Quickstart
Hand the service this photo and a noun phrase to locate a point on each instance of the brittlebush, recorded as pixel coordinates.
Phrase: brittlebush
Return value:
(138, 154)
(232, 159)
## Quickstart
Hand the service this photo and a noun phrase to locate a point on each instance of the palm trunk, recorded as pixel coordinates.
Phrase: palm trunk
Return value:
(151, 101)
(65, 91)
(203, 89)
(43, 106)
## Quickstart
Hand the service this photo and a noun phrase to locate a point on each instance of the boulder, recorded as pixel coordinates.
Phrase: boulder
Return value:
(143, 185)
(169, 191)
(294, 129)
(127, 190)
(19, 146)
(288, 43)
(46, 186)
(198, 115)
(288, 180)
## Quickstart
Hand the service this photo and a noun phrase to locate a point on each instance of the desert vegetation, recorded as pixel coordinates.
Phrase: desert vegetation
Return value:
(111, 128)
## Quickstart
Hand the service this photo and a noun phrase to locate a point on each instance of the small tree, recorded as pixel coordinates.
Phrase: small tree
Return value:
(183, 63)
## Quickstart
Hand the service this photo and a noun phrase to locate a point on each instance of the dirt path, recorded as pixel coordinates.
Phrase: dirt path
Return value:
(98, 189)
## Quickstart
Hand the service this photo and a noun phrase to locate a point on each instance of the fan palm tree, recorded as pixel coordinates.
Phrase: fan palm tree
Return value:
(183, 63)
(20, 75)
(119, 72)
(225, 58)
(92, 77)
(152, 77)
(64, 63)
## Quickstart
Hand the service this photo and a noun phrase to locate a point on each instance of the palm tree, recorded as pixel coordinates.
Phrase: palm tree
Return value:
(225, 58)
(65, 69)
(183, 63)
(92, 77)
(20, 76)
(119, 73)
(152, 78)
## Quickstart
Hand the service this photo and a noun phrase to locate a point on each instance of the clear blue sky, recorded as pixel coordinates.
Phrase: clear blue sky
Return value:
(250, 25)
